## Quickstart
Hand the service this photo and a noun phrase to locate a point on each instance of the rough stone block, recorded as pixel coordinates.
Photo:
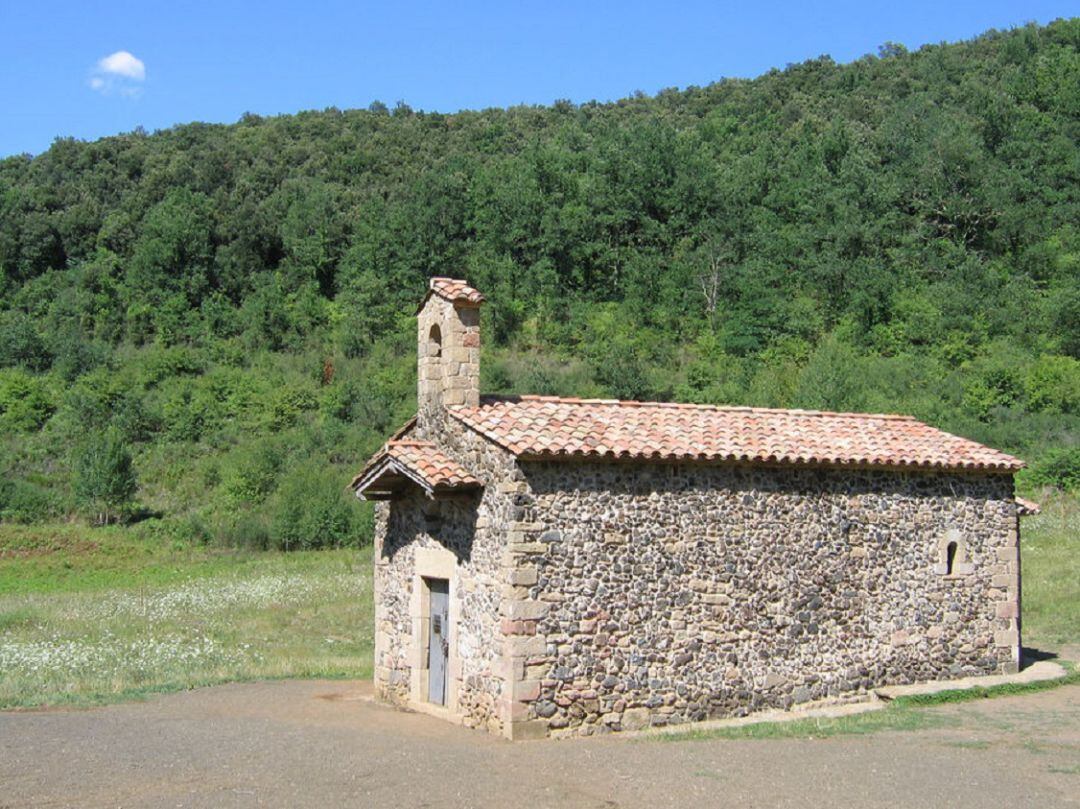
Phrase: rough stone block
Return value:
(510, 626)
(524, 576)
(1008, 554)
(526, 547)
(514, 592)
(716, 598)
(527, 690)
(635, 718)
(525, 610)
(527, 527)
(518, 646)
(535, 671)
(1007, 609)
(773, 680)
(1007, 638)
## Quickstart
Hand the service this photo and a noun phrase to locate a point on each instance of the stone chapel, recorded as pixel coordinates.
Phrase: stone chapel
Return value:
(552, 566)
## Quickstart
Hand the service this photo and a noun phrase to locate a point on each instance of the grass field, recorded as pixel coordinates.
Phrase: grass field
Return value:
(93, 616)
(97, 615)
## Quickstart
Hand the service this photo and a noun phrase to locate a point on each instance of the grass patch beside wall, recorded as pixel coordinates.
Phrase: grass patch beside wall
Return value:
(1050, 572)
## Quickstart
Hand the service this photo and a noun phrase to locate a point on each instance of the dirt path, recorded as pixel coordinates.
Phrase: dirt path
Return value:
(295, 744)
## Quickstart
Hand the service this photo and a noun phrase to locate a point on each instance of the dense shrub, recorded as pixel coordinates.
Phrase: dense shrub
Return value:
(1059, 467)
(253, 472)
(1053, 385)
(106, 398)
(26, 401)
(289, 404)
(243, 529)
(20, 343)
(26, 502)
(313, 510)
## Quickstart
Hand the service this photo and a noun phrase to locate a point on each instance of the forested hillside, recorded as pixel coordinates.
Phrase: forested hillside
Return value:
(231, 306)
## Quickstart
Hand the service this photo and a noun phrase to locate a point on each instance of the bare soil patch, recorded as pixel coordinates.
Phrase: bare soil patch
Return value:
(325, 743)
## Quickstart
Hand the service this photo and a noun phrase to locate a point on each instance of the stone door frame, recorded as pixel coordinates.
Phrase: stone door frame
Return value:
(433, 563)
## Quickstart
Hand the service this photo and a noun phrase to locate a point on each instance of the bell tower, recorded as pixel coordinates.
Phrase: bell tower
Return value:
(448, 347)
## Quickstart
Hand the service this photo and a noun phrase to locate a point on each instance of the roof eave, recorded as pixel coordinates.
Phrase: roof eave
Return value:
(732, 460)
(367, 484)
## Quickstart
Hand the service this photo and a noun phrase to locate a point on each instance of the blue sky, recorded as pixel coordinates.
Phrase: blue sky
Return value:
(88, 69)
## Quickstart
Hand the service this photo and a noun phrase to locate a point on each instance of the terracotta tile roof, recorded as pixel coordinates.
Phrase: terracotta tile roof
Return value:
(551, 427)
(455, 290)
(1025, 507)
(418, 461)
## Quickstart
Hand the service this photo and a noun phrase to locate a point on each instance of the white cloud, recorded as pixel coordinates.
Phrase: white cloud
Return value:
(124, 64)
(119, 72)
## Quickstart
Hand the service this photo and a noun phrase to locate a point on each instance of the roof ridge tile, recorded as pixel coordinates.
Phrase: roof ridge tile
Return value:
(573, 400)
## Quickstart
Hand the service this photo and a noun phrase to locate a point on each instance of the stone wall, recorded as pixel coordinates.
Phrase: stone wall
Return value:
(474, 530)
(659, 594)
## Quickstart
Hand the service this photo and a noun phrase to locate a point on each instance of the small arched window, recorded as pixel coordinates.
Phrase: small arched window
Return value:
(435, 341)
(953, 557)
(950, 558)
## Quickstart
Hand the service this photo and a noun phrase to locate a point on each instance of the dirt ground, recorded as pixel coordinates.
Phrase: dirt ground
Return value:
(319, 744)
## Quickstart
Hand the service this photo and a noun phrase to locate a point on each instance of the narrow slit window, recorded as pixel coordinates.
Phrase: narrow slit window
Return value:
(950, 558)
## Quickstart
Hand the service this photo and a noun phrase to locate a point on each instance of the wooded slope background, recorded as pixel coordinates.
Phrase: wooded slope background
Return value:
(232, 304)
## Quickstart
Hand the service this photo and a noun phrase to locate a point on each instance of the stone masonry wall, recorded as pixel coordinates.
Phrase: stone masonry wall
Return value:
(474, 528)
(659, 594)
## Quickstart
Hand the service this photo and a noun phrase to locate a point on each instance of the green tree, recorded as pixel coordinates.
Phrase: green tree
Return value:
(103, 479)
